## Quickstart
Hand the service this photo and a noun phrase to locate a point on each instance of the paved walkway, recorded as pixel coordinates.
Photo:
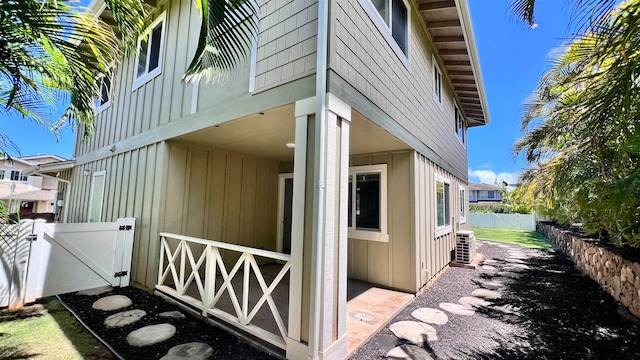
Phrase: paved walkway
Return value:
(520, 304)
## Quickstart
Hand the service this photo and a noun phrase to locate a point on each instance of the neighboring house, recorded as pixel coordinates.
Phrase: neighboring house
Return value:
(365, 179)
(25, 192)
(484, 193)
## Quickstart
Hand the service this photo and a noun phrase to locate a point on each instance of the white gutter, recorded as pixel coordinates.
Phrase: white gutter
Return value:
(319, 179)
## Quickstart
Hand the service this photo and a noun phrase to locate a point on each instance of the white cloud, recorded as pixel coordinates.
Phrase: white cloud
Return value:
(489, 177)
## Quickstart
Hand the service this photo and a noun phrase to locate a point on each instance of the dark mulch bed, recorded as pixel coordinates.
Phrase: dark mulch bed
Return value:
(190, 329)
(562, 314)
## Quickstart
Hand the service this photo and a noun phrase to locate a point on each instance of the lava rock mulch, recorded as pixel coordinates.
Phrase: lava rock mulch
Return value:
(189, 329)
(552, 311)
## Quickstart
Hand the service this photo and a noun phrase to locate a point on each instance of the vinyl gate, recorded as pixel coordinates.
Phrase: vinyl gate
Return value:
(42, 259)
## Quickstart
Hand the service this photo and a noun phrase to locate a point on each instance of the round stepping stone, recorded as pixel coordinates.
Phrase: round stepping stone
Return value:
(514, 261)
(112, 302)
(95, 291)
(171, 315)
(414, 331)
(503, 280)
(520, 256)
(488, 267)
(504, 246)
(124, 318)
(151, 334)
(473, 301)
(518, 266)
(510, 275)
(492, 285)
(490, 261)
(189, 351)
(458, 309)
(409, 352)
(430, 316)
(486, 294)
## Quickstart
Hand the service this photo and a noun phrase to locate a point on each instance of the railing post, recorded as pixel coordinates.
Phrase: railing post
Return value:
(209, 280)
(245, 288)
(163, 240)
(124, 250)
(182, 245)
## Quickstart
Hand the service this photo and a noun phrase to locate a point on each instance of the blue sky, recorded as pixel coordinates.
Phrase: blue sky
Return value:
(512, 56)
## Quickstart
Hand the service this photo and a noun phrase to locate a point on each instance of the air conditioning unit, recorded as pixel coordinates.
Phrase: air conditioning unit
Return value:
(465, 246)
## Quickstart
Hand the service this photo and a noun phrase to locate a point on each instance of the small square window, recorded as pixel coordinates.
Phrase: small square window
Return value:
(367, 203)
(460, 126)
(150, 48)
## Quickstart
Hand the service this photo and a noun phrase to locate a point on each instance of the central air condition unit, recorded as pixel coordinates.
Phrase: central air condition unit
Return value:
(465, 246)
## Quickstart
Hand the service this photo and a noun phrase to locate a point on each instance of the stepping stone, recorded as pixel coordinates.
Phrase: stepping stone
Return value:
(151, 334)
(509, 274)
(488, 267)
(517, 266)
(504, 246)
(514, 261)
(112, 302)
(473, 301)
(95, 291)
(503, 280)
(171, 315)
(414, 331)
(507, 309)
(458, 309)
(124, 318)
(492, 285)
(430, 316)
(490, 262)
(521, 256)
(409, 352)
(486, 294)
(189, 351)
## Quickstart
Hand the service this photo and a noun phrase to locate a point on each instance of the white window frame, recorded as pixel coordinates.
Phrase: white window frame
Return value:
(462, 199)
(101, 108)
(446, 228)
(385, 29)
(20, 178)
(460, 123)
(149, 75)
(104, 185)
(437, 83)
(372, 235)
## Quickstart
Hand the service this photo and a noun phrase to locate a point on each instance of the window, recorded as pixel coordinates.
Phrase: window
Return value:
(367, 205)
(462, 203)
(394, 16)
(1, 174)
(443, 209)
(460, 126)
(104, 97)
(17, 176)
(437, 82)
(491, 194)
(150, 49)
(96, 196)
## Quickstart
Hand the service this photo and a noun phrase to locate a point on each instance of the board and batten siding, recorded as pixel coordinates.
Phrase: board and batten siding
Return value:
(221, 196)
(133, 188)
(363, 58)
(391, 264)
(286, 41)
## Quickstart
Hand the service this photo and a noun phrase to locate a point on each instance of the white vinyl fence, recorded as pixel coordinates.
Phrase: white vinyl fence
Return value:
(503, 221)
(42, 259)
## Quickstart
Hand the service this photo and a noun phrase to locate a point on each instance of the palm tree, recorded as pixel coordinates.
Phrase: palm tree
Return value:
(52, 52)
(588, 13)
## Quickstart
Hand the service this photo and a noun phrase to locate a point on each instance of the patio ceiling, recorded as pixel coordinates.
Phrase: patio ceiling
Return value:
(453, 38)
(266, 135)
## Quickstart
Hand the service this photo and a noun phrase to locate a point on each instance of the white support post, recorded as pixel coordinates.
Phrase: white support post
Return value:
(343, 232)
(37, 264)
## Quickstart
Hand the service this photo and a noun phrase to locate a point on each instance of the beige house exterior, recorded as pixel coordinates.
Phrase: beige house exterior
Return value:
(24, 192)
(341, 146)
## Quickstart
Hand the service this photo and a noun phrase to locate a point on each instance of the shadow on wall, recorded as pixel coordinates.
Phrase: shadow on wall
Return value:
(14, 256)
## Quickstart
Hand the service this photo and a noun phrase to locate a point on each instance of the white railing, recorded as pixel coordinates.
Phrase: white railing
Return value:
(175, 279)
(503, 221)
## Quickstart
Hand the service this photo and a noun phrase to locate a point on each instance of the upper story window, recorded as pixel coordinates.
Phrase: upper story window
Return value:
(367, 205)
(443, 206)
(18, 176)
(150, 50)
(104, 98)
(437, 83)
(460, 126)
(392, 18)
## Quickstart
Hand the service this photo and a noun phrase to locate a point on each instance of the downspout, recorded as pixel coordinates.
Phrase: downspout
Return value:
(67, 191)
(319, 178)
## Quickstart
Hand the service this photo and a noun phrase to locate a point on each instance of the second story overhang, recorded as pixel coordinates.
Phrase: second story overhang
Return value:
(448, 23)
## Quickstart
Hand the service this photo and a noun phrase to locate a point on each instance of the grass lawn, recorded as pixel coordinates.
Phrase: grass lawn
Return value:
(46, 331)
(529, 239)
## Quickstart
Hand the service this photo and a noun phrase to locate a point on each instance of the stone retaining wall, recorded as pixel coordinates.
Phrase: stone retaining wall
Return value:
(618, 276)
